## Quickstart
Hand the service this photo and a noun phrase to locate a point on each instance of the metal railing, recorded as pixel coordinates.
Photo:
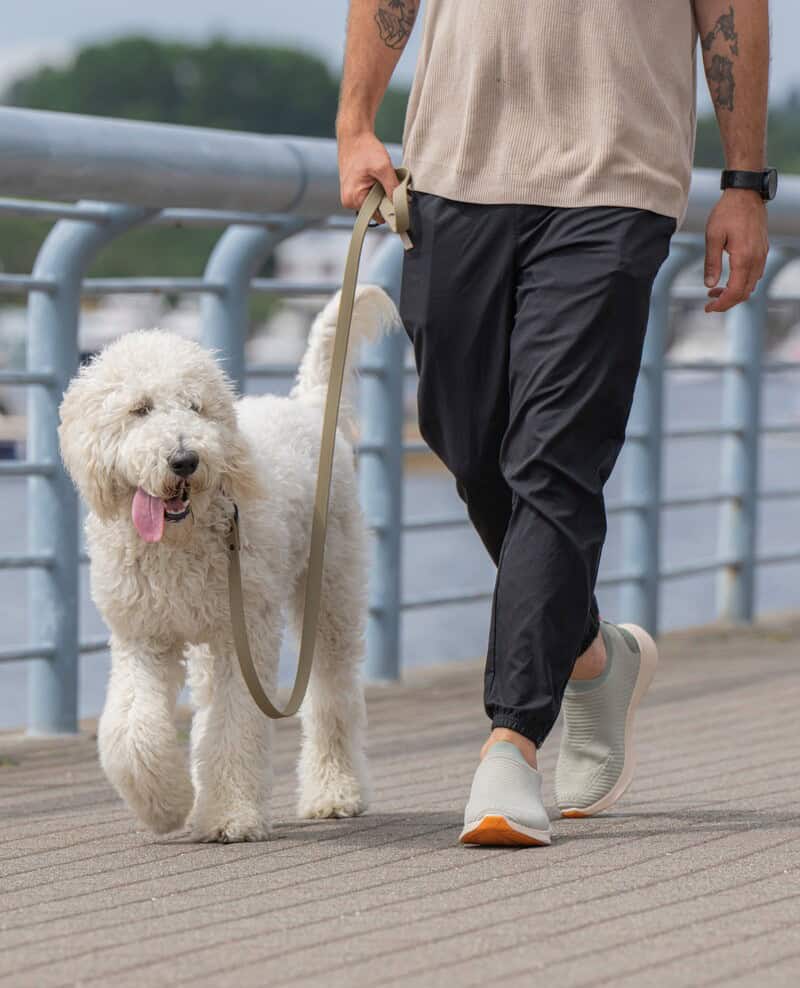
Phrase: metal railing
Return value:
(262, 190)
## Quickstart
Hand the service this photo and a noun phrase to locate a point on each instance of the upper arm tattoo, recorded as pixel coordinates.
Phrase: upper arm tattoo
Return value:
(719, 70)
(395, 18)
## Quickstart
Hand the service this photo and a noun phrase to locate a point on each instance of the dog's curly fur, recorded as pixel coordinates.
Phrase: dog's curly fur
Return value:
(145, 396)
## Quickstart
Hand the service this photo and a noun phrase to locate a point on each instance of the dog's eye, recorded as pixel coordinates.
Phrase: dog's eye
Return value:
(142, 409)
(195, 406)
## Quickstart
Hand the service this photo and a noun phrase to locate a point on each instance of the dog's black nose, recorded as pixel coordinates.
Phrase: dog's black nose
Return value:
(183, 462)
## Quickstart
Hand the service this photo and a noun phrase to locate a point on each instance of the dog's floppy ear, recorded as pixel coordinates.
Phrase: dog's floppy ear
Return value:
(241, 480)
(82, 450)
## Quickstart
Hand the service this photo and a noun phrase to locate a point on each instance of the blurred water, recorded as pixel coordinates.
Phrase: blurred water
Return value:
(455, 558)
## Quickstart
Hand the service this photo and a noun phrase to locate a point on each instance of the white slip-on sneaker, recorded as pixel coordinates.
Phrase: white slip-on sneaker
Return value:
(596, 759)
(505, 802)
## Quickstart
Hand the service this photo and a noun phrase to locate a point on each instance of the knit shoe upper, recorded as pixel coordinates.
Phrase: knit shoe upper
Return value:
(596, 759)
(505, 801)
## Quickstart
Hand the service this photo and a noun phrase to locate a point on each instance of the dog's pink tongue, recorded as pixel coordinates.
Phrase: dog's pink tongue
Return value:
(148, 515)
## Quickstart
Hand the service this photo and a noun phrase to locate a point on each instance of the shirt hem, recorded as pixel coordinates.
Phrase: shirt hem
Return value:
(638, 193)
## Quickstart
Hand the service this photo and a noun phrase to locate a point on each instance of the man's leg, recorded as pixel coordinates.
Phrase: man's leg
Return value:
(457, 306)
(582, 304)
(583, 300)
(457, 303)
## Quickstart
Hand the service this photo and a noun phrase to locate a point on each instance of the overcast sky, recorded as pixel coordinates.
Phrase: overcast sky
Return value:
(45, 29)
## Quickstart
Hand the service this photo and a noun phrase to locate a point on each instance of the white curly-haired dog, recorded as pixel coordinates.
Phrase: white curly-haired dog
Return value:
(160, 450)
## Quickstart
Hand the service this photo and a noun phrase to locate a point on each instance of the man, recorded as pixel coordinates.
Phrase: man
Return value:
(550, 146)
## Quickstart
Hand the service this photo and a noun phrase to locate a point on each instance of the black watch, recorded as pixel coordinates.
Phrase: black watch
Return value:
(764, 182)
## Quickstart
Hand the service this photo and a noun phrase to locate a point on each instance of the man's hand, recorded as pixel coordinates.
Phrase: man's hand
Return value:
(737, 224)
(362, 160)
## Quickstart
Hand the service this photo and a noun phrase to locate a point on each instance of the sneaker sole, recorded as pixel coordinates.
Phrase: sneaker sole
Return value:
(647, 669)
(494, 829)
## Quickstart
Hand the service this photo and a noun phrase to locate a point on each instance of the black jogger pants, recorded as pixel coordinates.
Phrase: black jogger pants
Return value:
(528, 323)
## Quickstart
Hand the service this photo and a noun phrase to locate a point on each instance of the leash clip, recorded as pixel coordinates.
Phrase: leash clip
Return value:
(395, 210)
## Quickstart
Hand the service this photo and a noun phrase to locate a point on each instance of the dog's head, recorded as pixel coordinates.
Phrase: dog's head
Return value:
(148, 430)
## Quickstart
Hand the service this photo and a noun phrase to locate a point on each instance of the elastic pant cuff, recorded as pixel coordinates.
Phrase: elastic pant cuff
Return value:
(532, 731)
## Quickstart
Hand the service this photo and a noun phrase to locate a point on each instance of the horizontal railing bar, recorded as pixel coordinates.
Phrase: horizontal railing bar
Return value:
(620, 507)
(703, 365)
(778, 493)
(42, 209)
(21, 284)
(776, 366)
(284, 371)
(459, 597)
(417, 447)
(93, 645)
(789, 556)
(10, 377)
(273, 371)
(614, 579)
(700, 431)
(24, 468)
(692, 500)
(777, 428)
(379, 449)
(23, 560)
(685, 432)
(442, 521)
(52, 210)
(20, 653)
(133, 286)
(693, 569)
(286, 286)
(697, 293)
(90, 157)
(214, 217)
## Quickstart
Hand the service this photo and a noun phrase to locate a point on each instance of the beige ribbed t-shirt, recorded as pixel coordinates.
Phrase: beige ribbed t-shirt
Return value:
(555, 102)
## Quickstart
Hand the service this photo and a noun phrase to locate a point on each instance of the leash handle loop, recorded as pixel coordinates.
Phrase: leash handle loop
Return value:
(395, 212)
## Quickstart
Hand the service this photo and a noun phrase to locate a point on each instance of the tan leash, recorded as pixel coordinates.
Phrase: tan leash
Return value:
(395, 212)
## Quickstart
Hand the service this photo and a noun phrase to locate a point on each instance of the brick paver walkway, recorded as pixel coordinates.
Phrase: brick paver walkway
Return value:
(693, 879)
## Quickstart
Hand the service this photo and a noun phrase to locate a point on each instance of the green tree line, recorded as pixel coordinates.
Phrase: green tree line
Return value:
(261, 88)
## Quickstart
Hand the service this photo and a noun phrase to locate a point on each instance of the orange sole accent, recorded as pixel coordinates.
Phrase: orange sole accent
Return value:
(574, 814)
(497, 831)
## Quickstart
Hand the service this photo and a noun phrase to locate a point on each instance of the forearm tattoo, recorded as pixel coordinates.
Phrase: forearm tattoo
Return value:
(395, 18)
(720, 70)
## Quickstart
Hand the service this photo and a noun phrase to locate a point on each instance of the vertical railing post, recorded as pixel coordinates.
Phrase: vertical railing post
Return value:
(641, 478)
(741, 412)
(53, 519)
(381, 473)
(234, 262)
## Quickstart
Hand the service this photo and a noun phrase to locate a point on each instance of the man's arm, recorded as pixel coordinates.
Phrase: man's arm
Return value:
(377, 32)
(734, 35)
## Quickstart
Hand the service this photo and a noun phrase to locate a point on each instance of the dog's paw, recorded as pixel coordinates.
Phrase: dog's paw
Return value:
(229, 828)
(343, 800)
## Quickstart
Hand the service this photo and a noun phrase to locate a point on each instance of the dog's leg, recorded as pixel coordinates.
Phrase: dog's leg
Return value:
(232, 740)
(136, 734)
(332, 770)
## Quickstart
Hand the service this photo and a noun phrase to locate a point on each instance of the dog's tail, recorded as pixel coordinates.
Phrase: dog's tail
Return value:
(374, 313)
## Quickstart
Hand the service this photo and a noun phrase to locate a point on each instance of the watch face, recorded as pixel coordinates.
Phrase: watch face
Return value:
(771, 183)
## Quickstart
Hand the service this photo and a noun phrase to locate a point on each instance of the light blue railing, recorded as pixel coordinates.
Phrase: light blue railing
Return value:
(101, 178)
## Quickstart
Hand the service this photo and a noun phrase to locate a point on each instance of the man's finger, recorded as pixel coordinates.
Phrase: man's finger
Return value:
(735, 289)
(387, 176)
(713, 266)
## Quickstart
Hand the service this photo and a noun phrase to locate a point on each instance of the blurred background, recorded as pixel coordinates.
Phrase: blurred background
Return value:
(275, 68)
